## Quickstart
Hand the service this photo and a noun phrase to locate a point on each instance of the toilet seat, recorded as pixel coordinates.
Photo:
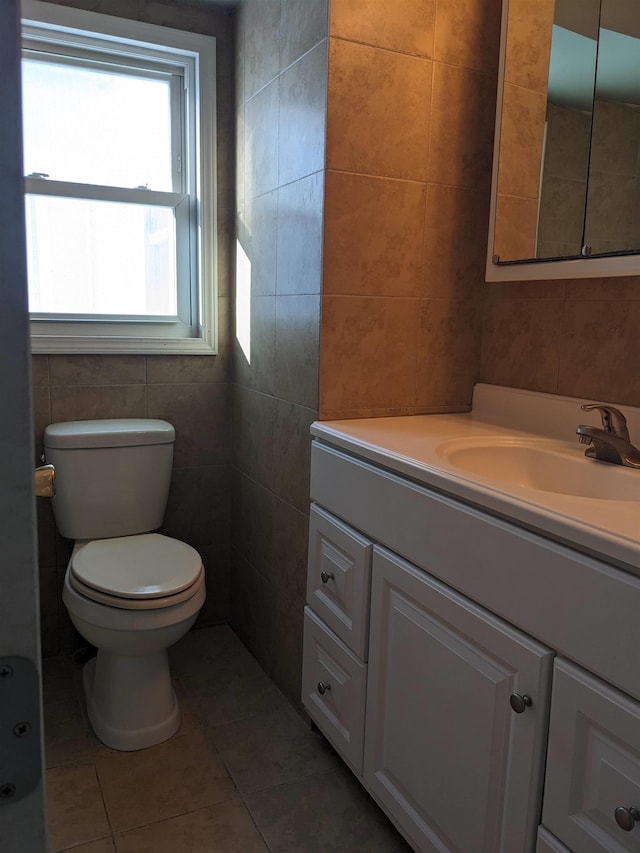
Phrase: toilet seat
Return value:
(136, 603)
(142, 572)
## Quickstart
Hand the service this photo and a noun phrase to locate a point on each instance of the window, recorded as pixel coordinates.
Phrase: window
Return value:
(119, 131)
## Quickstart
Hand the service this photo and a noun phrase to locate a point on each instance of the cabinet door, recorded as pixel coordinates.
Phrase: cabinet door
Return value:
(456, 767)
(592, 788)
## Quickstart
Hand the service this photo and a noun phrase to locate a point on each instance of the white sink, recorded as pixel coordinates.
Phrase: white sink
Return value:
(515, 454)
(543, 464)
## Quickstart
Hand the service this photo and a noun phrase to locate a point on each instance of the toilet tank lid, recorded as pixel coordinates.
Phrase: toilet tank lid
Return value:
(113, 432)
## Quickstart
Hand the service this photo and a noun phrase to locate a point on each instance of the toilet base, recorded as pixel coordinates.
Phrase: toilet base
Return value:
(131, 703)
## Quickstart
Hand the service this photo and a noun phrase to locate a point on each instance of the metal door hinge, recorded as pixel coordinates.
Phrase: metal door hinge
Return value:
(20, 760)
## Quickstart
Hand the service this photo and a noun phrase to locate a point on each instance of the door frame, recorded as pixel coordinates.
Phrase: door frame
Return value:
(22, 820)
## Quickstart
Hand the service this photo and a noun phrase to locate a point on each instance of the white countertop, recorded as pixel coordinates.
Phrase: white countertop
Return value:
(609, 529)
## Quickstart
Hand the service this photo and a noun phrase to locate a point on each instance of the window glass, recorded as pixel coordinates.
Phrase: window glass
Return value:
(119, 159)
(89, 125)
(100, 257)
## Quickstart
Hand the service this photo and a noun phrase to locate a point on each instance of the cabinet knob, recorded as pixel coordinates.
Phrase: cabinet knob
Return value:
(626, 818)
(323, 686)
(325, 577)
(520, 703)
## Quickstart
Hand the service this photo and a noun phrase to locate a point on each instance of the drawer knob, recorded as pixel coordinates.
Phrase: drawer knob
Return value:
(325, 577)
(520, 703)
(626, 818)
(323, 686)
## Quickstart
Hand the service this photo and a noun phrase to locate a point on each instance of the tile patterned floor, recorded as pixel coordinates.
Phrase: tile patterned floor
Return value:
(245, 773)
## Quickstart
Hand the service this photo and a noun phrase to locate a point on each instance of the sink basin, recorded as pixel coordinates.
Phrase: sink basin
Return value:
(543, 464)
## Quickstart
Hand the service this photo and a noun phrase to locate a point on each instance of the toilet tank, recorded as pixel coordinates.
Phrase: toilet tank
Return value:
(112, 476)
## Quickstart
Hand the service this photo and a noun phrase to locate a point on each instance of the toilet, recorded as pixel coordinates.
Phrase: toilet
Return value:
(130, 592)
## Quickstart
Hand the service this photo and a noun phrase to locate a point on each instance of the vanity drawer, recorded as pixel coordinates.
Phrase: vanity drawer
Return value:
(339, 578)
(334, 686)
(593, 763)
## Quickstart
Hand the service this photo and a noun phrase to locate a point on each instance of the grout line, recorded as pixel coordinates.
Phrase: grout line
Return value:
(241, 719)
(84, 843)
(340, 765)
(255, 823)
(104, 802)
(175, 817)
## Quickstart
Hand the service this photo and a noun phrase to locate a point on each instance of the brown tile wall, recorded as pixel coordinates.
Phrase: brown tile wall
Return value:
(192, 392)
(408, 323)
(409, 143)
(578, 338)
(281, 105)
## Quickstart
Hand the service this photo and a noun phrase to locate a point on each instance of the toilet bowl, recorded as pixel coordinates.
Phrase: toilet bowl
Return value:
(132, 620)
(130, 592)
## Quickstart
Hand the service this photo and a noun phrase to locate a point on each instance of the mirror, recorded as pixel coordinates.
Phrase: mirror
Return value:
(566, 178)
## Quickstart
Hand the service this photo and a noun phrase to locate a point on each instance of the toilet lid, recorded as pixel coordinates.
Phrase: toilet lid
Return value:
(137, 603)
(139, 567)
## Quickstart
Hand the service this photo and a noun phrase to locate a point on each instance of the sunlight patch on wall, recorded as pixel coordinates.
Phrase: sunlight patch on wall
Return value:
(243, 301)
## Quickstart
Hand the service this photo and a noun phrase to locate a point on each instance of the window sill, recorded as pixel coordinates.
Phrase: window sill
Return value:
(60, 345)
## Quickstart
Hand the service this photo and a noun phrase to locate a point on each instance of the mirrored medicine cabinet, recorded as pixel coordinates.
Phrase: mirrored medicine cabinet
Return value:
(565, 199)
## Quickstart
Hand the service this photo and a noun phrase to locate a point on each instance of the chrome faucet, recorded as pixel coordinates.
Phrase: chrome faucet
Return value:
(611, 443)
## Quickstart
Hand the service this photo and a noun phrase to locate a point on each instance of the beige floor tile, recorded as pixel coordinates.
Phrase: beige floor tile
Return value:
(271, 749)
(205, 651)
(222, 678)
(68, 739)
(243, 694)
(330, 811)
(180, 775)
(105, 845)
(75, 811)
(226, 828)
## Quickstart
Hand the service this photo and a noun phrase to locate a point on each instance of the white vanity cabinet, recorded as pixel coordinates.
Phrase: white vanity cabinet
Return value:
(484, 679)
(446, 754)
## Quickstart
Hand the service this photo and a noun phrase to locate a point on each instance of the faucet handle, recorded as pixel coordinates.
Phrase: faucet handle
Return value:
(612, 419)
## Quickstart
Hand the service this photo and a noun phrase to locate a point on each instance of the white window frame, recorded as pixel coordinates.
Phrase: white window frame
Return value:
(194, 330)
